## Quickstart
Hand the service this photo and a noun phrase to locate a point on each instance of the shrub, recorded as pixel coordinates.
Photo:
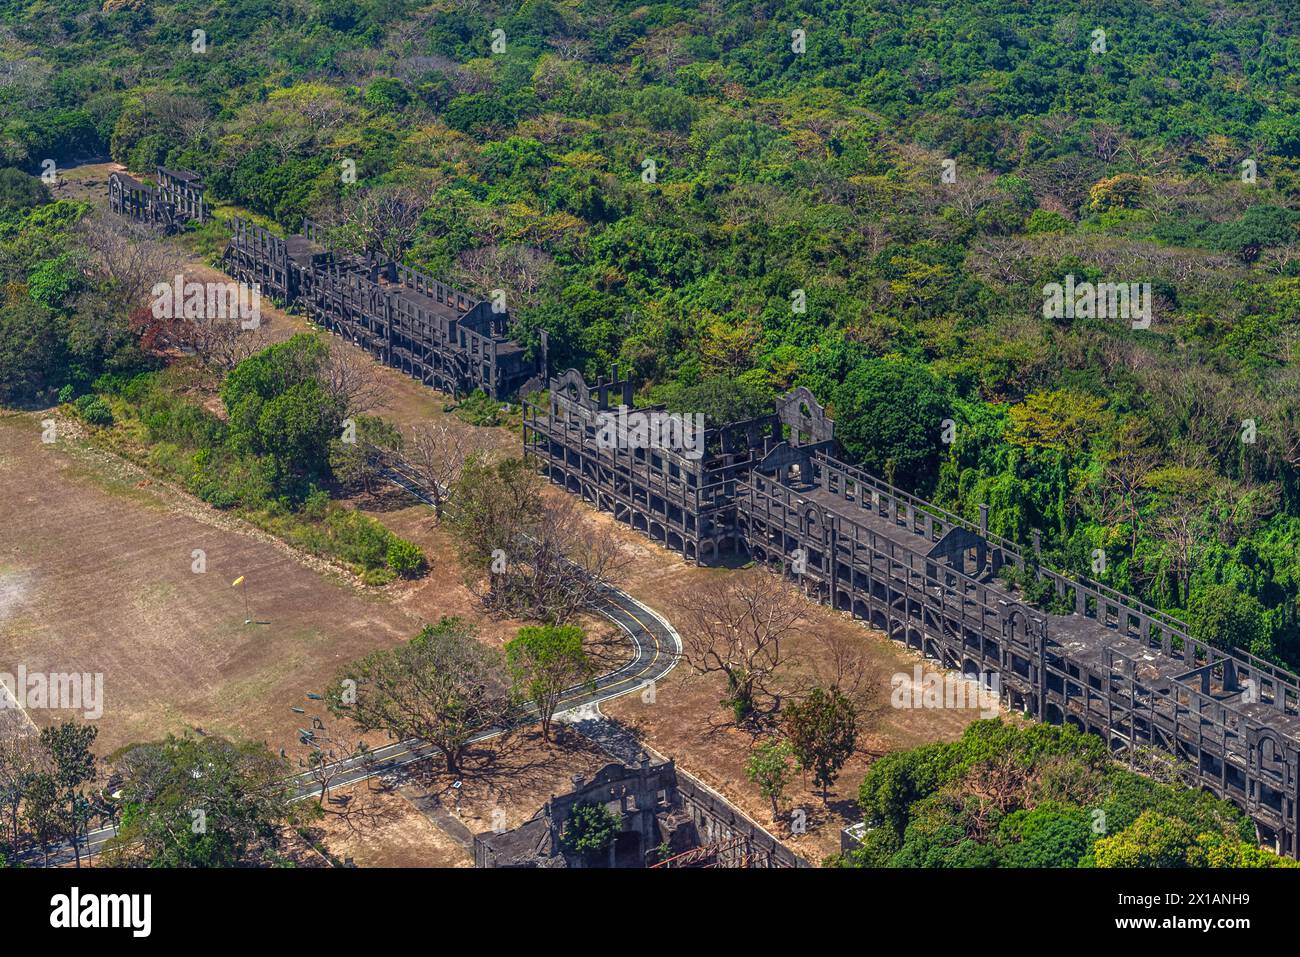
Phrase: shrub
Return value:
(316, 505)
(1046, 221)
(132, 388)
(226, 481)
(93, 411)
(405, 558)
(589, 828)
(169, 419)
(376, 576)
(54, 282)
(358, 539)
(479, 408)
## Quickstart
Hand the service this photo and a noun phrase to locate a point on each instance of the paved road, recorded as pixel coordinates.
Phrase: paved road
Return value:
(656, 647)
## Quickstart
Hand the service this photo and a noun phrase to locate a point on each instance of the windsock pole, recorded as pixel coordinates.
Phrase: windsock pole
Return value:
(248, 619)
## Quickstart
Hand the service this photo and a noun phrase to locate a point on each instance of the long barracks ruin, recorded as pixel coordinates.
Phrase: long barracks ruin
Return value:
(771, 488)
(404, 318)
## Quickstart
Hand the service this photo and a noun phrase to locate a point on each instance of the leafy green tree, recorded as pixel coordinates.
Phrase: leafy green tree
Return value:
(201, 802)
(1258, 228)
(769, 766)
(31, 352)
(54, 282)
(1226, 617)
(1153, 840)
(664, 108)
(822, 731)
(1046, 221)
(296, 427)
(1039, 796)
(42, 811)
(889, 416)
(443, 687)
(719, 399)
(1216, 851)
(387, 95)
(20, 191)
(942, 832)
(901, 778)
(589, 829)
(544, 662)
(100, 338)
(1046, 836)
(279, 408)
(72, 761)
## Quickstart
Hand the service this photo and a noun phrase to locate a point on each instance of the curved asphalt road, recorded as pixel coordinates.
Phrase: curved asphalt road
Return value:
(656, 648)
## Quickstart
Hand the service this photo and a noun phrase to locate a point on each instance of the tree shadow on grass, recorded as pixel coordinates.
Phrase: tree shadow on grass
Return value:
(515, 763)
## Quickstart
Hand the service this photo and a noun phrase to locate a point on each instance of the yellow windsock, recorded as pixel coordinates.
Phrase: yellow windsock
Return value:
(237, 581)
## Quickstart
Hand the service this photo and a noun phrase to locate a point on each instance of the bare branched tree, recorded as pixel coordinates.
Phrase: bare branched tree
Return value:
(737, 625)
(521, 271)
(21, 758)
(385, 218)
(565, 564)
(219, 341)
(839, 664)
(527, 554)
(352, 378)
(331, 757)
(437, 451)
(130, 256)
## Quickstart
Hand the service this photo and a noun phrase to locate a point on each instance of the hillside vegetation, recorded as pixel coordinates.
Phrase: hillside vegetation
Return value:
(728, 208)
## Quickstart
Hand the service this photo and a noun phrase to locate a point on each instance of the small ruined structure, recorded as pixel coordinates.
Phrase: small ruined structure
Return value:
(404, 318)
(667, 819)
(772, 489)
(175, 202)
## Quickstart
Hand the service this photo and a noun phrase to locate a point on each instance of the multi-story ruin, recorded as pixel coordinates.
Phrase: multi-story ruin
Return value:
(404, 318)
(682, 498)
(771, 489)
(175, 202)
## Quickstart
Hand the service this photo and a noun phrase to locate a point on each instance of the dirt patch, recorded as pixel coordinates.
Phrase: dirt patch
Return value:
(430, 818)
(85, 183)
(505, 781)
(100, 566)
(393, 832)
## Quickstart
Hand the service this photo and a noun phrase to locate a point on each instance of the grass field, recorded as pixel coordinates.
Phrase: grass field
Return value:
(97, 566)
